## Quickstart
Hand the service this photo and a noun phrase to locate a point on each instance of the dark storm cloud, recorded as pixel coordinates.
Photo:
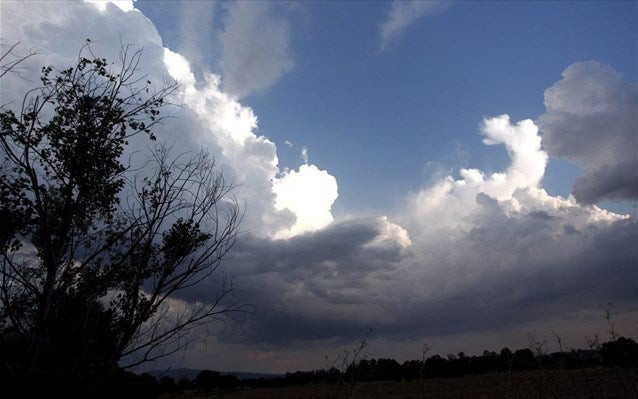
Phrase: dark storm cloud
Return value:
(591, 119)
(300, 286)
(507, 269)
(614, 182)
(340, 243)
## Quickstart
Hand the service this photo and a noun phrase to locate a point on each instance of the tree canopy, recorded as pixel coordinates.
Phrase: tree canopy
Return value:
(97, 254)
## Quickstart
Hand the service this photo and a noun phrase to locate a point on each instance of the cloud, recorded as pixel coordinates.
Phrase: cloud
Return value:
(196, 33)
(464, 255)
(124, 5)
(470, 253)
(210, 119)
(309, 194)
(447, 201)
(306, 194)
(313, 286)
(390, 234)
(502, 270)
(405, 13)
(255, 48)
(229, 129)
(591, 120)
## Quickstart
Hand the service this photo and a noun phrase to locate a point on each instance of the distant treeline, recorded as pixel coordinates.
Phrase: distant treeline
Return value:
(621, 352)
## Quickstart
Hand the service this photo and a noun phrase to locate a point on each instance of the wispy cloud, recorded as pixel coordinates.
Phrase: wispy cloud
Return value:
(248, 43)
(255, 48)
(405, 13)
(197, 39)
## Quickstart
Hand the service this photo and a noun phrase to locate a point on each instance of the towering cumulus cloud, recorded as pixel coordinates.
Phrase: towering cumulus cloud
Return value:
(591, 120)
(475, 253)
(211, 119)
(448, 200)
(309, 194)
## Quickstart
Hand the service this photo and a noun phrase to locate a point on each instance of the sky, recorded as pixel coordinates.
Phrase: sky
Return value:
(457, 173)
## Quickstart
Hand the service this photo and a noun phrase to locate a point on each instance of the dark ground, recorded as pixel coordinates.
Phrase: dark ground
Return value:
(608, 383)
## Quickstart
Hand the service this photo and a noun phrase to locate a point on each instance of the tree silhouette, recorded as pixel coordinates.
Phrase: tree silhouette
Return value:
(93, 250)
(168, 384)
(10, 59)
(206, 380)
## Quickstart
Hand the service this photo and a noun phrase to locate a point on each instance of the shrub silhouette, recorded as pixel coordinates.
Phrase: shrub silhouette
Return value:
(622, 352)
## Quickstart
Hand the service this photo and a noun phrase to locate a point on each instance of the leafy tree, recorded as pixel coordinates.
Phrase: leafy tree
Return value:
(93, 251)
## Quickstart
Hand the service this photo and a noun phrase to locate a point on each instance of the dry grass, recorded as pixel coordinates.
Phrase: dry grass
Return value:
(555, 384)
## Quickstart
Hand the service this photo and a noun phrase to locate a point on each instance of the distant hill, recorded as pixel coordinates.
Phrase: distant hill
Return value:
(180, 373)
(176, 374)
(244, 375)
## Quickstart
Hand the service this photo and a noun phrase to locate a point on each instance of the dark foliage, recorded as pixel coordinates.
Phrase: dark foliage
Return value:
(207, 380)
(621, 352)
(615, 353)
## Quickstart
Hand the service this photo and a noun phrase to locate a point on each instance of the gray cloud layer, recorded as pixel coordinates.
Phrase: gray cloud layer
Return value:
(505, 269)
(591, 119)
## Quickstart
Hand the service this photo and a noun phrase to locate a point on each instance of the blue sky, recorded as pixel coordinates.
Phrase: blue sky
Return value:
(421, 100)
(470, 171)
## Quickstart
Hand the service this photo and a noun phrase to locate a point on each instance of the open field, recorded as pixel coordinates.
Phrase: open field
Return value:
(577, 384)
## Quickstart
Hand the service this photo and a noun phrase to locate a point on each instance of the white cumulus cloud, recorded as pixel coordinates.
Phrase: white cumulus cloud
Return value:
(309, 194)
(124, 5)
(447, 200)
(210, 118)
(390, 234)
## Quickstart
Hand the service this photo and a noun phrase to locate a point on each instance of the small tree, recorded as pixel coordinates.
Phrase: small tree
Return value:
(94, 252)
